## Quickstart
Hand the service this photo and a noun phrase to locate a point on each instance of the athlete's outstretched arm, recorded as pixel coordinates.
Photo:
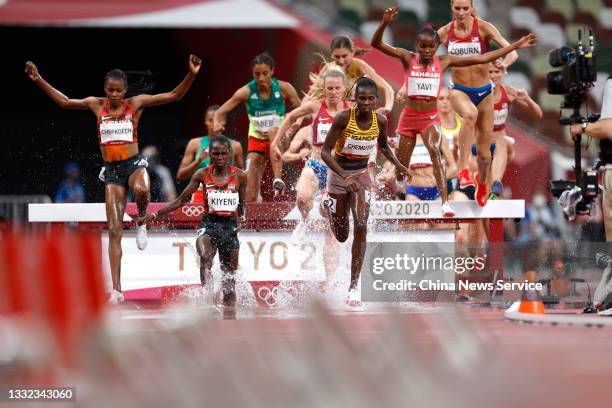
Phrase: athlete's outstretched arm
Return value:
(288, 128)
(56, 96)
(381, 84)
(181, 200)
(383, 147)
(240, 96)
(189, 164)
(238, 159)
(453, 61)
(340, 122)
(377, 39)
(142, 101)
(496, 36)
(242, 180)
(290, 94)
(296, 152)
(522, 98)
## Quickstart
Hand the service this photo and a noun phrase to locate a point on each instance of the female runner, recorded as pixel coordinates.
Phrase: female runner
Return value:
(503, 97)
(197, 154)
(354, 134)
(224, 189)
(468, 36)
(264, 98)
(123, 166)
(424, 72)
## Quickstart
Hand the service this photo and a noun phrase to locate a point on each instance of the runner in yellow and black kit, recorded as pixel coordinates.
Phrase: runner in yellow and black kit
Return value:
(264, 98)
(354, 134)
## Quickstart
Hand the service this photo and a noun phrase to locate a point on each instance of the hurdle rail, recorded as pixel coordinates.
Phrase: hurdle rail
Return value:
(283, 216)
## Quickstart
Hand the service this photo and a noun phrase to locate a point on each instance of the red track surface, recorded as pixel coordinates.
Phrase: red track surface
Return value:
(562, 365)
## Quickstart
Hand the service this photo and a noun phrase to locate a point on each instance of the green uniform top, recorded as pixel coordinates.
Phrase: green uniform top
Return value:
(264, 114)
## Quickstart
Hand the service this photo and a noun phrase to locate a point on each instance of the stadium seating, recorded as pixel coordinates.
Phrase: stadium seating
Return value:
(521, 66)
(368, 28)
(518, 80)
(551, 35)
(540, 66)
(418, 7)
(565, 7)
(524, 17)
(439, 13)
(605, 18)
(593, 7)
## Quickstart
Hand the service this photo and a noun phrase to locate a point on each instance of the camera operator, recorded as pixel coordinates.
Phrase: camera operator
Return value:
(602, 131)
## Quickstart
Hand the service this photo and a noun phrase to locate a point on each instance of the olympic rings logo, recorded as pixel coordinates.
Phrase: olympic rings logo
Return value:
(193, 210)
(270, 296)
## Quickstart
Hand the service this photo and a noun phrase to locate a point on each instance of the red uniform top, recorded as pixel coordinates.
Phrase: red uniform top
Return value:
(117, 129)
(501, 110)
(473, 44)
(322, 123)
(422, 82)
(221, 199)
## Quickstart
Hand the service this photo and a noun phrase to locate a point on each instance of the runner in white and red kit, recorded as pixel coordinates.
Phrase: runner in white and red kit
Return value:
(424, 72)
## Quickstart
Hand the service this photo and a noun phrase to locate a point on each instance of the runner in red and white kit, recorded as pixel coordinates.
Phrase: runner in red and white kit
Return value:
(124, 167)
(224, 195)
(465, 37)
(424, 72)
(504, 96)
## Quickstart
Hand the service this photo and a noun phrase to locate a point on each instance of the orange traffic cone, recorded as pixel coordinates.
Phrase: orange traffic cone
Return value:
(531, 300)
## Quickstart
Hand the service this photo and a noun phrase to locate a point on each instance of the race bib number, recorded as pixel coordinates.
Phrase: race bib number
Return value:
(420, 157)
(112, 131)
(423, 87)
(222, 201)
(464, 49)
(500, 116)
(263, 124)
(358, 148)
(322, 131)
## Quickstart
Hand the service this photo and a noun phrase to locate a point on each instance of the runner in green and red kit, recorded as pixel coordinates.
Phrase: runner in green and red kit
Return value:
(264, 98)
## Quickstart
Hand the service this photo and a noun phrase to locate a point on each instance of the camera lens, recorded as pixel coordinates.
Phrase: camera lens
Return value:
(601, 260)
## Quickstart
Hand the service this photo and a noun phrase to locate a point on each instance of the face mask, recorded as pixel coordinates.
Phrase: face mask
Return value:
(539, 201)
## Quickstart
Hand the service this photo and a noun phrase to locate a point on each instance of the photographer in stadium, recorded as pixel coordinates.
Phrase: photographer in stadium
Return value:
(602, 131)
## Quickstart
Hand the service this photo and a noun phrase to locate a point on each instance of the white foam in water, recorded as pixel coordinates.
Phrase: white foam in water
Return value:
(288, 294)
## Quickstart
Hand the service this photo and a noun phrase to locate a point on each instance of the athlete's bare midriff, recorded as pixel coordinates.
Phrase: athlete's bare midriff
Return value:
(315, 154)
(111, 153)
(423, 177)
(475, 76)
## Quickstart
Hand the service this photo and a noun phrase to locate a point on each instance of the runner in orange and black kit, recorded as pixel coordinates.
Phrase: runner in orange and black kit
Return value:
(354, 134)
(123, 166)
(224, 193)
